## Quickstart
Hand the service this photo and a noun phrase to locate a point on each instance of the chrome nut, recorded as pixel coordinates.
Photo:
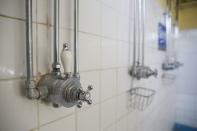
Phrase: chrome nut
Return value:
(56, 66)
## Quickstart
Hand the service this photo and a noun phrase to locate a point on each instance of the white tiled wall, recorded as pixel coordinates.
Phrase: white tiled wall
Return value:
(186, 82)
(104, 57)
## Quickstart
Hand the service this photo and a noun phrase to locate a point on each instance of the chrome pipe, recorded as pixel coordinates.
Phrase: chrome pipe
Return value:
(139, 30)
(143, 3)
(29, 40)
(56, 64)
(134, 34)
(76, 64)
(32, 92)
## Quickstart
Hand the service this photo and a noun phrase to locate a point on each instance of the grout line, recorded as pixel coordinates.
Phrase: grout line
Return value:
(93, 70)
(116, 121)
(12, 78)
(100, 46)
(104, 69)
(102, 36)
(61, 27)
(36, 51)
(20, 19)
(38, 116)
(11, 17)
(116, 102)
(60, 118)
(76, 121)
(65, 28)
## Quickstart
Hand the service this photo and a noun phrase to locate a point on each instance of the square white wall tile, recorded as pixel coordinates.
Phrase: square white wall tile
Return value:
(67, 123)
(122, 124)
(123, 54)
(88, 120)
(48, 113)
(111, 128)
(108, 84)
(42, 11)
(108, 113)
(122, 105)
(123, 28)
(90, 16)
(14, 8)
(123, 7)
(112, 3)
(66, 11)
(34, 130)
(91, 78)
(109, 22)
(89, 52)
(124, 80)
(131, 31)
(43, 50)
(109, 53)
(17, 112)
(12, 51)
(132, 121)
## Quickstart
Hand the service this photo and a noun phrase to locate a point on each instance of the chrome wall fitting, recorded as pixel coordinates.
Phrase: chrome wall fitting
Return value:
(144, 72)
(170, 62)
(31, 90)
(139, 70)
(60, 89)
(64, 92)
(171, 66)
(56, 64)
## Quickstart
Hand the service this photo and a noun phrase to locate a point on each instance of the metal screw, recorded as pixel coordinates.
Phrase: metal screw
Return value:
(90, 87)
(79, 105)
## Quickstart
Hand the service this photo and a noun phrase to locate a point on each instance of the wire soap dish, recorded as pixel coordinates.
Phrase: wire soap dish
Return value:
(141, 98)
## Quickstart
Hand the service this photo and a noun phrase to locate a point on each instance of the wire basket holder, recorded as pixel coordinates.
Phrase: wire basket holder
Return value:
(141, 98)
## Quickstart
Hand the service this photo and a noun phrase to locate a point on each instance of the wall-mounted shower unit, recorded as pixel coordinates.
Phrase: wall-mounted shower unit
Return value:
(170, 62)
(61, 89)
(139, 69)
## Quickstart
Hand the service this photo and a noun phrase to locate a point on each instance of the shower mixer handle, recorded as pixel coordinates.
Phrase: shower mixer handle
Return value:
(85, 96)
(155, 73)
(152, 72)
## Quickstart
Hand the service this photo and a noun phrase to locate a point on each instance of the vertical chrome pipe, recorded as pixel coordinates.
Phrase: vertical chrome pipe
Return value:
(29, 41)
(32, 92)
(76, 65)
(56, 64)
(134, 34)
(143, 28)
(139, 29)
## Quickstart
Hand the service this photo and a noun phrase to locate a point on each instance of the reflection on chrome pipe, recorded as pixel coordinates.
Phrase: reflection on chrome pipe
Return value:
(29, 40)
(76, 65)
(143, 2)
(134, 34)
(32, 92)
(139, 30)
(139, 70)
(56, 64)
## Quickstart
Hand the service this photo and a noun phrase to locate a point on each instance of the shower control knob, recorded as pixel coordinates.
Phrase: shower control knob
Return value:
(85, 96)
(155, 73)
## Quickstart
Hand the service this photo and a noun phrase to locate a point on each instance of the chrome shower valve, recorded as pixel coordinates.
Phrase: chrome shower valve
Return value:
(145, 72)
(65, 92)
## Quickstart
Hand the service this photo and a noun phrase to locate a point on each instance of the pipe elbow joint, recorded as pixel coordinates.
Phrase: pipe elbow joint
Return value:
(32, 91)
